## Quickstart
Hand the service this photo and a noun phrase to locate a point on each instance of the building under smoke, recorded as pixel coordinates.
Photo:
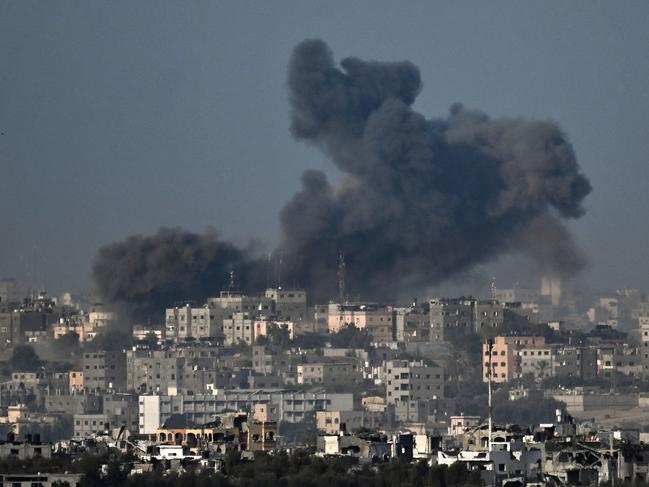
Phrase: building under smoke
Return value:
(419, 199)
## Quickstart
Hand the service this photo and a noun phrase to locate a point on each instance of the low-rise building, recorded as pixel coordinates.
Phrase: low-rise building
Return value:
(329, 374)
(336, 422)
(293, 406)
(239, 329)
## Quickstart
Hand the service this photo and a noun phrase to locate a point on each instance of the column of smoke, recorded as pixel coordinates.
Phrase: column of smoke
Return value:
(419, 199)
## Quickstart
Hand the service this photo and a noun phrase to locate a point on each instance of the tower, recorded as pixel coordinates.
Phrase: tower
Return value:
(341, 278)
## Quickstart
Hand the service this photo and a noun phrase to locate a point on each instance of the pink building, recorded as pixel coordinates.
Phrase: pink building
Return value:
(504, 358)
(378, 320)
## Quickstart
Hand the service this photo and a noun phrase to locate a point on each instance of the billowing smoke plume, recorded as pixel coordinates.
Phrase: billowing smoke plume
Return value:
(420, 199)
(149, 273)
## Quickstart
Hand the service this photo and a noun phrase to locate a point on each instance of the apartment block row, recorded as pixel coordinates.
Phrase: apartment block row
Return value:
(515, 357)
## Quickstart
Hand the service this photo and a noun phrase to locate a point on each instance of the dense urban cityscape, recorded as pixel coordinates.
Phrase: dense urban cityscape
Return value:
(370, 383)
(264, 245)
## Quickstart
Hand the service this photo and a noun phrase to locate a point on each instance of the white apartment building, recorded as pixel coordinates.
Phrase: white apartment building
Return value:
(292, 406)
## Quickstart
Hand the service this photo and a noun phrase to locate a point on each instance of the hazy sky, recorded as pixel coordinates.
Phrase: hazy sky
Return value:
(120, 117)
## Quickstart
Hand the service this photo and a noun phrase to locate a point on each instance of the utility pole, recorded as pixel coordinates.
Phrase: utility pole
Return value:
(490, 346)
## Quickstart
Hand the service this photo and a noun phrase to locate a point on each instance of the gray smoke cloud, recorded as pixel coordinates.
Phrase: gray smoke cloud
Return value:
(145, 274)
(419, 199)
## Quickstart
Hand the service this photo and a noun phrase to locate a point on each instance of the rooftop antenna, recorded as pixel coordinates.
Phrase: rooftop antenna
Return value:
(342, 267)
(279, 269)
(268, 267)
(493, 288)
(232, 284)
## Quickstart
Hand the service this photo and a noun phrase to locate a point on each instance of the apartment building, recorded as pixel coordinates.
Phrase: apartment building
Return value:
(238, 329)
(329, 374)
(153, 371)
(537, 360)
(378, 320)
(88, 425)
(104, 371)
(288, 304)
(237, 302)
(196, 322)
(292, 406)
(412, 324)
(579, 362)
(450, 319)
(413, 381)
(505, 358)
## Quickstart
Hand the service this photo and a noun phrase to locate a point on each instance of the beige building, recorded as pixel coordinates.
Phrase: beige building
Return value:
(263, 326)
(238, 329)
(458, 425)
(187, 321)
(77, 383)
(378, 320)
(336, 422)
(413, 381)
(265, 412)
(359, 315)
(236, 302)
(537, 360)
(505, 359)
(329, 374)
(374, 404)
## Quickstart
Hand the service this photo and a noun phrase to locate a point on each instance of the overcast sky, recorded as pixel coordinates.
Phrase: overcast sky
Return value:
(120, 117)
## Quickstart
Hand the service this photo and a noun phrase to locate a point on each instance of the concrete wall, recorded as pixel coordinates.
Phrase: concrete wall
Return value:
(587, 402)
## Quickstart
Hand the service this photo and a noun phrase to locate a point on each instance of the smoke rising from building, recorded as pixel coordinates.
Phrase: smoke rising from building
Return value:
(419, 199)
(149, 273)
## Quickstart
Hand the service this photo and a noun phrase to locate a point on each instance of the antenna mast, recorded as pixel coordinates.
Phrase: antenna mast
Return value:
(341, 277)
(232, 285)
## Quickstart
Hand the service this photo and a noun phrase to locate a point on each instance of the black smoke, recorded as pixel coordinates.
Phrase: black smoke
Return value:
(419, 200)
(149, 273)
